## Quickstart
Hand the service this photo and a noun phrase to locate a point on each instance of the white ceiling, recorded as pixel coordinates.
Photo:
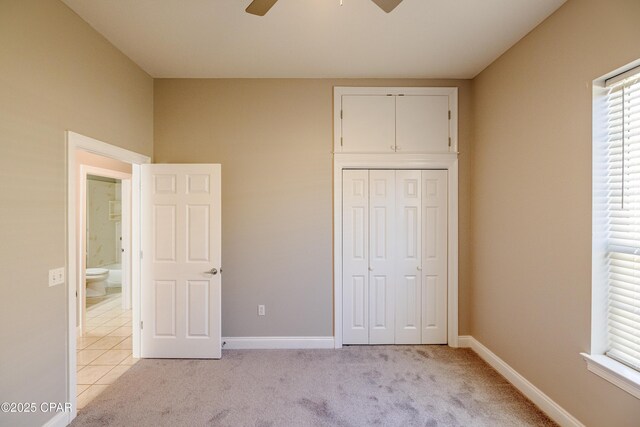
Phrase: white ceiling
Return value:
(314, 38)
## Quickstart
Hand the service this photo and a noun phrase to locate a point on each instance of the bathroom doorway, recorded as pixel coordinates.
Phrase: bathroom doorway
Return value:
(104, 231)
(104, 341)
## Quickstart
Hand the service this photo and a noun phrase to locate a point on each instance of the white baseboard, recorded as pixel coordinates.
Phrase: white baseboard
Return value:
(541, 400)
(262, 343)
(61, 419)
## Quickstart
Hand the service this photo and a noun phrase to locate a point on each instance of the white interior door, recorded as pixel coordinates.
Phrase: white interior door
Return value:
(408, 255)
(355, 268)
(181, 258)
(381, 256)
(422, 123)
(434, 256)
(368, 124)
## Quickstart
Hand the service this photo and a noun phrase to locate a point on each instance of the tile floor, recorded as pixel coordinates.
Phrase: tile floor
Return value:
(104, 352)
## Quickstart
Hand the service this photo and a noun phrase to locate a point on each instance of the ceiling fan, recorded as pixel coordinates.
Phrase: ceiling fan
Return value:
(261, 7)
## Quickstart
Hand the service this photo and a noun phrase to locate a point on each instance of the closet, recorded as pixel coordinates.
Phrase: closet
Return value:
(394, 250)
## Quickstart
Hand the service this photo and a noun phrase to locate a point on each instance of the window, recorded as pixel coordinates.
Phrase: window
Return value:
(615, 352)
(622, 232)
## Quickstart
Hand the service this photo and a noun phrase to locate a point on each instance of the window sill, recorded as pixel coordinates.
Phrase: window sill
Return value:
(615, 372)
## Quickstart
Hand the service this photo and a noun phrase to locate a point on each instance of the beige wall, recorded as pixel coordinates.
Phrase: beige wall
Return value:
(56, 73)
(274, 139)
(531, 246)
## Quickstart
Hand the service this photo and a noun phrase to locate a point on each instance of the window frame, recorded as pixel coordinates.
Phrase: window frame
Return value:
(619, 374)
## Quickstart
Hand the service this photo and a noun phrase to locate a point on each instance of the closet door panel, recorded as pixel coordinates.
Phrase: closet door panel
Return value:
(408, 257)
(422, 124)
(368, 124)
(355, 250)
(434, 257)
(381, 256)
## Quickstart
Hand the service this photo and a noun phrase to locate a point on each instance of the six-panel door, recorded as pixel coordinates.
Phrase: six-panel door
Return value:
(181, 255)
(395, 256)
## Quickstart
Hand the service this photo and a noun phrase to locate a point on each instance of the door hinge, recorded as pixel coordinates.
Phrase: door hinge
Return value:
(449, 114)
(140, 254)
(340, 141)
(341, 114)
(449, 141)
(141, 324)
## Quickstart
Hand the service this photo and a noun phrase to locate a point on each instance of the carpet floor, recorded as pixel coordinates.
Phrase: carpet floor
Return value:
(354, 386)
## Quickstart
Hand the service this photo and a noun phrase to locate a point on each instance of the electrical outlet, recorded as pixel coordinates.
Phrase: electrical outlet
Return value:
(261, 310)
(56, 276)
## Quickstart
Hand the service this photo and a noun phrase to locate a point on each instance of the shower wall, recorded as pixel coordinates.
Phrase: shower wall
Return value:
(103, 221)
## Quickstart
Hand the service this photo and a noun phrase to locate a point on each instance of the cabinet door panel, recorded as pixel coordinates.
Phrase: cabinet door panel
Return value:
(408, 256)
(422, 124)
(434, 257)
(355, 250)
(368, 124)
(381, 253)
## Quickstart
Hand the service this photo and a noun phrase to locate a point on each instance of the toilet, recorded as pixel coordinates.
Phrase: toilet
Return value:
(96, 280)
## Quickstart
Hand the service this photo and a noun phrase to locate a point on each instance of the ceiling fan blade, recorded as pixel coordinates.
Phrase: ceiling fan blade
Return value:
(387, 5)
(260, 7)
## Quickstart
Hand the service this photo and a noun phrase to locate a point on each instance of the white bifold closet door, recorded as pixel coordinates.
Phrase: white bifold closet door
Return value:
(381, 260)
(434, 251)
(394, 257)
(355, 265)
(408, 257)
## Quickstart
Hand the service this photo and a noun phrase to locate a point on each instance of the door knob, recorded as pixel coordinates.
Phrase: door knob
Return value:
(419, 268)
(212, 271)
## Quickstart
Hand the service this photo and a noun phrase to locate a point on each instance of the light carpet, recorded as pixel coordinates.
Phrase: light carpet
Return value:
(354, 386)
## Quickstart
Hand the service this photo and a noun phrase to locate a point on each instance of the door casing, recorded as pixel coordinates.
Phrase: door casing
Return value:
(77, 142)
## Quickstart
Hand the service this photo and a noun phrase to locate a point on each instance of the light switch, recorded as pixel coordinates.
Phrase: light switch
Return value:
(56, 276)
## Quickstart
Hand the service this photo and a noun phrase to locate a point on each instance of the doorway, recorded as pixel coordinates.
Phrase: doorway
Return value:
(104, 235)
(102, 342)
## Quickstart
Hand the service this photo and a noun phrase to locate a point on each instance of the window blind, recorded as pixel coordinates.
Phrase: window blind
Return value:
(623, 220)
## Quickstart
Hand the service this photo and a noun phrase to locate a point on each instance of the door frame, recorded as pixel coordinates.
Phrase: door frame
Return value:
(77, 142)
(125, 179)
(446, 161)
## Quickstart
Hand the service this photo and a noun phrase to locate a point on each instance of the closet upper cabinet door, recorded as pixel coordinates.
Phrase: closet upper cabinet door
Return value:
(368, 124)
(422, 124)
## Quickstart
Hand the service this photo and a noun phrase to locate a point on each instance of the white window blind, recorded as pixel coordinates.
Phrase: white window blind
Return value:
(623, 219)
